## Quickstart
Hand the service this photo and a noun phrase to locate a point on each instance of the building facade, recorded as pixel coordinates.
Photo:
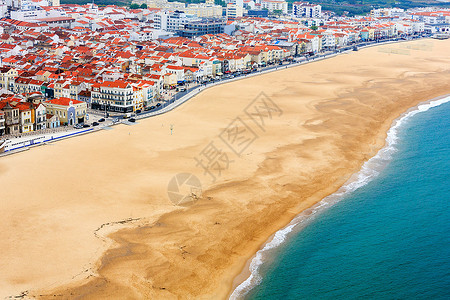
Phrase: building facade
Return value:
(203, 10)
(7, 76)
(40, 120)
(307, 10)
(275, 5)
(202, 27)
(113, 96)
(2, 123)
(172, 21)
(12, 118)
(69, 111)
(234, 11)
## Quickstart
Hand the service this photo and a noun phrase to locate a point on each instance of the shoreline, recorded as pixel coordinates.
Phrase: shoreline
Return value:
(185, 98)
(243, 284)
(331, 117)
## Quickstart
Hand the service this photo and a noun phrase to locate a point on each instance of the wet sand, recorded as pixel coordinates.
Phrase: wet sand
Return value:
(330, 117)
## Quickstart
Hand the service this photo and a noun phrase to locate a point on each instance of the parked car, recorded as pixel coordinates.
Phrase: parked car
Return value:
(182, 89)
(132, 120)
(138, 111)
(78, 126)
(95, 124)
(86, 125)
(152, 107)
(158, 105)
(115, 120)
(102, 120)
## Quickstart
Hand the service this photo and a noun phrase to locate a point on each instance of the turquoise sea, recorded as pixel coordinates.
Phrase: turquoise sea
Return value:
(385, 235)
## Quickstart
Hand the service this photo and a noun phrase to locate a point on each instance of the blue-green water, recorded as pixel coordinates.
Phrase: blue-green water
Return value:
(389, 239)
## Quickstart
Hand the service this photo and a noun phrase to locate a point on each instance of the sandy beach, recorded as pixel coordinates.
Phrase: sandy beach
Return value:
(90, 217)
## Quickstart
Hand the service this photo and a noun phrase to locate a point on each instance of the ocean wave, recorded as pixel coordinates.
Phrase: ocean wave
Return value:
(370, 169)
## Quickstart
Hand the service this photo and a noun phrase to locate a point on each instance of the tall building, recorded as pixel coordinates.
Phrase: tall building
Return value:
(202, 27)
(307, 10)
(234, 11)
(387, 12)
(203, 10)
(164, 4)
(172, 21)
(3, 9)
(275, 5)
(29, 11)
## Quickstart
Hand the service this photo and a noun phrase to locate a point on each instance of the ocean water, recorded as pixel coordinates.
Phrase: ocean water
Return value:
(384, 235)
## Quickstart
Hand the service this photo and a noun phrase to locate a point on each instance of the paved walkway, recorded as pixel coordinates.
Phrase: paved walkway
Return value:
(178, 99)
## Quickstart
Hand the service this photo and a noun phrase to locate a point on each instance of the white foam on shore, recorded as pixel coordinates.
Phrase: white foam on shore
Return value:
(369, 171)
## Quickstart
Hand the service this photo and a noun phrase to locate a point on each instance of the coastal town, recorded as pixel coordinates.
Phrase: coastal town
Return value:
(237, 149)
(75, 66)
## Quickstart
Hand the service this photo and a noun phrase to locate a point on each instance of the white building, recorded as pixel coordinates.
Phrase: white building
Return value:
(3, 9)
(234, 11)
(29, 11)
(305, 9)
(203, 10)
(172, 21)
(149, 35)
(387, 12)
(272, 5)
(239, 3)
(165, 4)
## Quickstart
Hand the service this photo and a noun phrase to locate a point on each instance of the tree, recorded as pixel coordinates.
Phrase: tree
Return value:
(220, 2)
(314, 27)
(143, 5)
(134, 6)
(277, 11)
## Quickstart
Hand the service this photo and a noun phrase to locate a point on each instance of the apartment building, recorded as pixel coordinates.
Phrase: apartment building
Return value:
(202, 27)
(307, 10)
(7, 76)
(172, 21)
(113, 96)
(203, 10)
(234, 11)
(273, 5)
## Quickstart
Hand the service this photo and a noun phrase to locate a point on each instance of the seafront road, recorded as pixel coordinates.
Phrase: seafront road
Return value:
(23, 143)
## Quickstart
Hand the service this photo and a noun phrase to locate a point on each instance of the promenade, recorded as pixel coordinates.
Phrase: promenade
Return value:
(25, 141)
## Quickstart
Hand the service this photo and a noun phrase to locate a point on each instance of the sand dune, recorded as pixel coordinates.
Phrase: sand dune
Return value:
(61, 201)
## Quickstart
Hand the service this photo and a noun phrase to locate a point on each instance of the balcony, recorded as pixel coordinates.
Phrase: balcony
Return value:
(13, 121)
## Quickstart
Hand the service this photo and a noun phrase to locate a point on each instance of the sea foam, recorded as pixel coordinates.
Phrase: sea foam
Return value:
(368, 172)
